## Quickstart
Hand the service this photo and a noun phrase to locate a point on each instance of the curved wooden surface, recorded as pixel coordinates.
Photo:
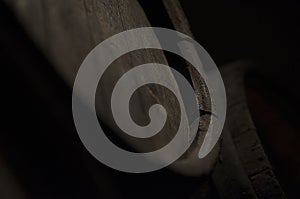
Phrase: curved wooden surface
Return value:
(67, 30)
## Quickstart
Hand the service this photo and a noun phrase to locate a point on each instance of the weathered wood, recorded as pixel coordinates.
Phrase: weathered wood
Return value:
(258, 179)
(229, 176)
(67, 30)
(247, 144)
(181, 24)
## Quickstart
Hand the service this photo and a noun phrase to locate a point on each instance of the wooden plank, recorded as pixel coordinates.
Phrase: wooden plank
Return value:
(67, 30)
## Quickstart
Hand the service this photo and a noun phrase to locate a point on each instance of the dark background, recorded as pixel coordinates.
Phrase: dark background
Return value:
(39, 145)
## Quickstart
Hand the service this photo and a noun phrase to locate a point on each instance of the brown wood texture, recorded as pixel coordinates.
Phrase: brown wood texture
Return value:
(256, 178)
(244, 170)
(181, 24)
(67, 30)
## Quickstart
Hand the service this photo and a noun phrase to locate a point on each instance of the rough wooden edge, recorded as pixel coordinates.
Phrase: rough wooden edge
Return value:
(253, 172)
(247, 144)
